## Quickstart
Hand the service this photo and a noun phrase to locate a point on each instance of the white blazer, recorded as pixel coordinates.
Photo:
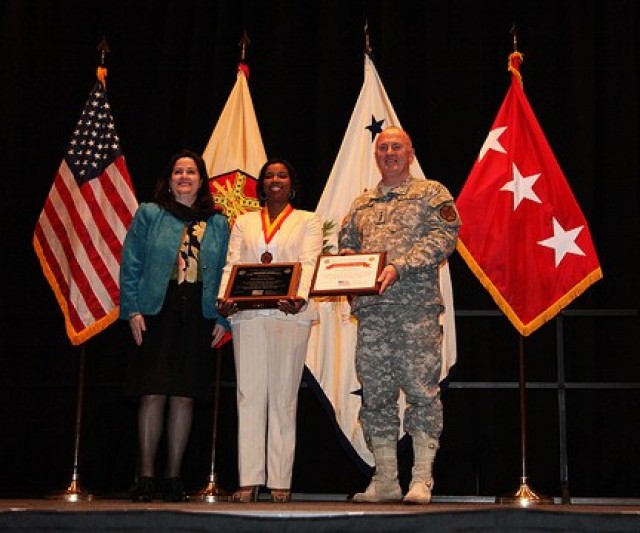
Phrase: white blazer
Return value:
(298, 239)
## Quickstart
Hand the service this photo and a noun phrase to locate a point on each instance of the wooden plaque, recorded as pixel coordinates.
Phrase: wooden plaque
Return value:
(260, 286)
(341, 275)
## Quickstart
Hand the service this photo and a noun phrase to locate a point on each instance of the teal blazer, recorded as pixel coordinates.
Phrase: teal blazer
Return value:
(149, 256)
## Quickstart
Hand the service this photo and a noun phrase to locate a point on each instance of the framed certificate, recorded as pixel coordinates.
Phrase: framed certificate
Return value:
(260, 286)
(338, 275)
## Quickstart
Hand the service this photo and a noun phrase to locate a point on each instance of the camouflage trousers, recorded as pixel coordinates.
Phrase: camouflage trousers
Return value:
(399, 348)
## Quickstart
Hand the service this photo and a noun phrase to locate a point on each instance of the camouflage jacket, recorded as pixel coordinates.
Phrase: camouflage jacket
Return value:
(416, 224)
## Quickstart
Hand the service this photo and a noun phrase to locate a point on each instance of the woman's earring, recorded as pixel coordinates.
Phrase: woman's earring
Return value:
(292, 194)
(262, 196)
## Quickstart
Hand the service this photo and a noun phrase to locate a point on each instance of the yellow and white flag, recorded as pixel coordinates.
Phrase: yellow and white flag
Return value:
(331, 351)
(235, 153)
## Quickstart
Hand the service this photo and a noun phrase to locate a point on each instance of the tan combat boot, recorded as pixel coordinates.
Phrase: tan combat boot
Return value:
(424, 453)
(384, 486)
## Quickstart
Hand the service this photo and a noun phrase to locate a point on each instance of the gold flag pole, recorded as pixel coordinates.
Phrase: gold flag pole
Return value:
(524, 496)
(212, 492)
(74, 492)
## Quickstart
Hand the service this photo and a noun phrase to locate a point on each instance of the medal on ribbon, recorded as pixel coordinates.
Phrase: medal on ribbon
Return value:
(270, 228)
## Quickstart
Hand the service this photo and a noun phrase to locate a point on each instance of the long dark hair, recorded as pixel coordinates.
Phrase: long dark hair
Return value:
(162, 192)
(293, 176)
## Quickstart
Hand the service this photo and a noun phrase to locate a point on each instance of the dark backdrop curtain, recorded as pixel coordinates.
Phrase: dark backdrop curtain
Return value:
(443, 63)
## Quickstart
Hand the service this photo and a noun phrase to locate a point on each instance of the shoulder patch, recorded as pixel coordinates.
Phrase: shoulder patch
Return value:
(448, 213)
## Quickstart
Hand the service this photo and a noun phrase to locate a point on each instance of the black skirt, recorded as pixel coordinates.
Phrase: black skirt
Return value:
(175, 357)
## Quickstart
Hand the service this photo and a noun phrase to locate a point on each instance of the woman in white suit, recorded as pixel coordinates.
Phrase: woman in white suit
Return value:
(270, 345)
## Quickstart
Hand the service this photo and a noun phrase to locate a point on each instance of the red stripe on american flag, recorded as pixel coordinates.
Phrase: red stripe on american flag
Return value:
(59, 279)
(88, 269)
(105, 242)
(122, 195)
(63, 260)
(116, 197)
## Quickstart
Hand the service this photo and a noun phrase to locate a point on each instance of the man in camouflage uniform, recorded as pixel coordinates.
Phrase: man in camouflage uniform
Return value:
(399, 335)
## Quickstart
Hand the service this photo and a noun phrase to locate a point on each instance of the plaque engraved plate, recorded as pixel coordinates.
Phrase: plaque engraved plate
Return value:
(260, 285)
(342, 275)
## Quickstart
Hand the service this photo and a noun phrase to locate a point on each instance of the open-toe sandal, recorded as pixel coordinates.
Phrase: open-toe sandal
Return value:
(280, 495)
(246, 494)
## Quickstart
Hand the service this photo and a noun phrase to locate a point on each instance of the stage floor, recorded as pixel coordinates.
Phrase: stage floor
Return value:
(312, 514)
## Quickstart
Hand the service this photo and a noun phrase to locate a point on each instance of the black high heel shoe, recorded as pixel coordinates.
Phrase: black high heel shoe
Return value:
(173, 490)
(247, 494)
(144, 491)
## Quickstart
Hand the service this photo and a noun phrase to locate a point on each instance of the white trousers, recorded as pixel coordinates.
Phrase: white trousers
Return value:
(269, 357)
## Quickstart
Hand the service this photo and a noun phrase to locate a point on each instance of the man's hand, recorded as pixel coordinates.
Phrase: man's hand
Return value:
(387, 277)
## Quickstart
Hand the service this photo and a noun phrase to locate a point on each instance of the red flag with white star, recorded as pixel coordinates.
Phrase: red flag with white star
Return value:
(523, 233)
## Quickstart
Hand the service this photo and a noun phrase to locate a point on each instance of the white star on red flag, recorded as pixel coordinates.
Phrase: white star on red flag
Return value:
(563, 242)
(492, 142)
(521, 187)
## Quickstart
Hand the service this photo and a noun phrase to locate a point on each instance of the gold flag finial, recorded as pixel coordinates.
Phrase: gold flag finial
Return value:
(367, 42)
(103, 49)
(514, 34)
(243, 44)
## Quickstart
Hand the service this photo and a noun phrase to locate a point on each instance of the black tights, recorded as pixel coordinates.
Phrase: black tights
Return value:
(150, 426)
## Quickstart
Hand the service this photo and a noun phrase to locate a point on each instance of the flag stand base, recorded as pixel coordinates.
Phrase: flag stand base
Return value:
(211, 493)
(73, 493)
(525, 496)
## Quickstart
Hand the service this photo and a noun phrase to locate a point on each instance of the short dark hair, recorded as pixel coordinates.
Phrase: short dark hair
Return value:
(162, 192)
(293, 176)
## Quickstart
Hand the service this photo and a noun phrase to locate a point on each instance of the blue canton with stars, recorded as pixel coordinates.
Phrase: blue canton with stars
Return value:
(95, 143)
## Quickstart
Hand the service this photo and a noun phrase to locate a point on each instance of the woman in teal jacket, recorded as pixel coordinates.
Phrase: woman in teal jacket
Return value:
(172, 262)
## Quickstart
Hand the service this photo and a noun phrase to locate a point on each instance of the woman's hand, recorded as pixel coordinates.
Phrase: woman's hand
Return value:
(291, 306)
(227, 307)
(137, 325)
(216, 335)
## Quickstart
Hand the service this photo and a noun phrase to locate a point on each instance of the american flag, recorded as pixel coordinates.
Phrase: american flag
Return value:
(79, 234)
